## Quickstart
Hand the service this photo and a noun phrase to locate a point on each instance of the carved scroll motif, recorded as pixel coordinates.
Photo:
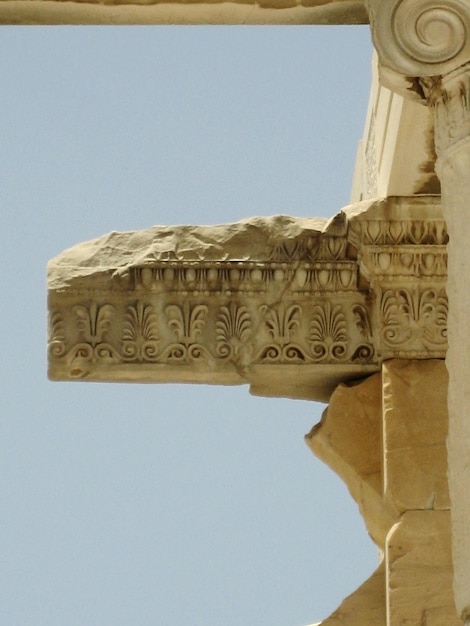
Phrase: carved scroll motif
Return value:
(233, 329)
(282, 323)
(328, 332)
(93, 323)
(57, 335)
(365, 350)
(420, 37)
(415, 319)
(187, 323)
(140, 338)
(374, 289)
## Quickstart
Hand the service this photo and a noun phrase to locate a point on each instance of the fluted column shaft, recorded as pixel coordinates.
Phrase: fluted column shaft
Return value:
(450, 99)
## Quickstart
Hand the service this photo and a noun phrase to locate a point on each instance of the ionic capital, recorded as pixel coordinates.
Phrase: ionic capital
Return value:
(419, 38)
(449, 97)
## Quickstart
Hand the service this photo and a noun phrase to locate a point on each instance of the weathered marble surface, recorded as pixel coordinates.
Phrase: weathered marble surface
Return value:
(180, 12)
(386, 438)
(424, 53)
(290, 306)
(264, 239)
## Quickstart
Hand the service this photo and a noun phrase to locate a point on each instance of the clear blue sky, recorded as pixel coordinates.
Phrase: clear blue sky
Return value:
(134, 505)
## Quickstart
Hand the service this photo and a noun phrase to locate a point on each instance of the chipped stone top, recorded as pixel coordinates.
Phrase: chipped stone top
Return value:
(291, 306)
(260, 238)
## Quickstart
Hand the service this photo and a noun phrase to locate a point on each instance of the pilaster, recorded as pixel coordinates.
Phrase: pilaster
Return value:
(386, 438)
(424, 53)
(449, 97)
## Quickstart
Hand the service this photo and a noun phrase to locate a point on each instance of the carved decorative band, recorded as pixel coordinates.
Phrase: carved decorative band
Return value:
(424, 262)
(157, 332)
(320, 331)
(414, 321)
(244, 278)
(399, 232)
(374, 290)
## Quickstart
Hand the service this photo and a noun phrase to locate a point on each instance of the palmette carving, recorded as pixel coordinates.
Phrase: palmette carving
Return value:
(140, 333)
(328, 332)
(415, 318)
(56, 335)
(93, 323)
(233, 329)
(406, 261)
(371, 287)
(187, 323)
(282, 323)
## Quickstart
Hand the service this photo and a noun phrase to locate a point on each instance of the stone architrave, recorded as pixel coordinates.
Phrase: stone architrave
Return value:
(181, 12)
(290, 306)
(424, 53)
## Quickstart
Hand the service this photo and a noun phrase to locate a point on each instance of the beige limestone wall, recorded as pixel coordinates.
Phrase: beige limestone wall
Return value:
(386, 437)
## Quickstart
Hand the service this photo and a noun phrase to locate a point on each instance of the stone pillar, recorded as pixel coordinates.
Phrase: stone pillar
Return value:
(386, 438)
(449, 96)
(418, 546)
(424, 52)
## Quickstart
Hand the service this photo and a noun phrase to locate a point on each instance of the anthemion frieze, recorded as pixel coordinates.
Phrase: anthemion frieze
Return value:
(289, 306)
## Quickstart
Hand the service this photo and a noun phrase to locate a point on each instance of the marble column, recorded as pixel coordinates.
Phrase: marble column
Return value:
(424, 53)
(449, 96)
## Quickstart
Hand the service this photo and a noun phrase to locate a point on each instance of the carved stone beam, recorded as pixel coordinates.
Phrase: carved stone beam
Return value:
(180, 12)
(290, 306)
(424, 51)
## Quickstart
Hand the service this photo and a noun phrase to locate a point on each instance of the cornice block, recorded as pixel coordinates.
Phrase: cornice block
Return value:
(290, 306)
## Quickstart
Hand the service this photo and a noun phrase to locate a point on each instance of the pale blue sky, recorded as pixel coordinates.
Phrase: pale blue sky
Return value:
(133, 505)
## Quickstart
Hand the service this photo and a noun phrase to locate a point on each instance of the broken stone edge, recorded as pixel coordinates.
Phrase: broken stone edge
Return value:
(290, 306)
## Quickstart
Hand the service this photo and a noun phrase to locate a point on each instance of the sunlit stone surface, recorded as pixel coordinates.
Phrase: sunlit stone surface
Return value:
(290, 306)
(179, 12)
(307, 308)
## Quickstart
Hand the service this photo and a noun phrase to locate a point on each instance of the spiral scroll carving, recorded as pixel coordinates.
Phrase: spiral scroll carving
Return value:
(421, 37)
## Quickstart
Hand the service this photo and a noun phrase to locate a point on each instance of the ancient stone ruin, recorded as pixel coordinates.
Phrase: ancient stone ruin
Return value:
(360, 310)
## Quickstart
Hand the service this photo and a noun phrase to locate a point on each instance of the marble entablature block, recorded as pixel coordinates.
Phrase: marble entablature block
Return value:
(290, 306)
